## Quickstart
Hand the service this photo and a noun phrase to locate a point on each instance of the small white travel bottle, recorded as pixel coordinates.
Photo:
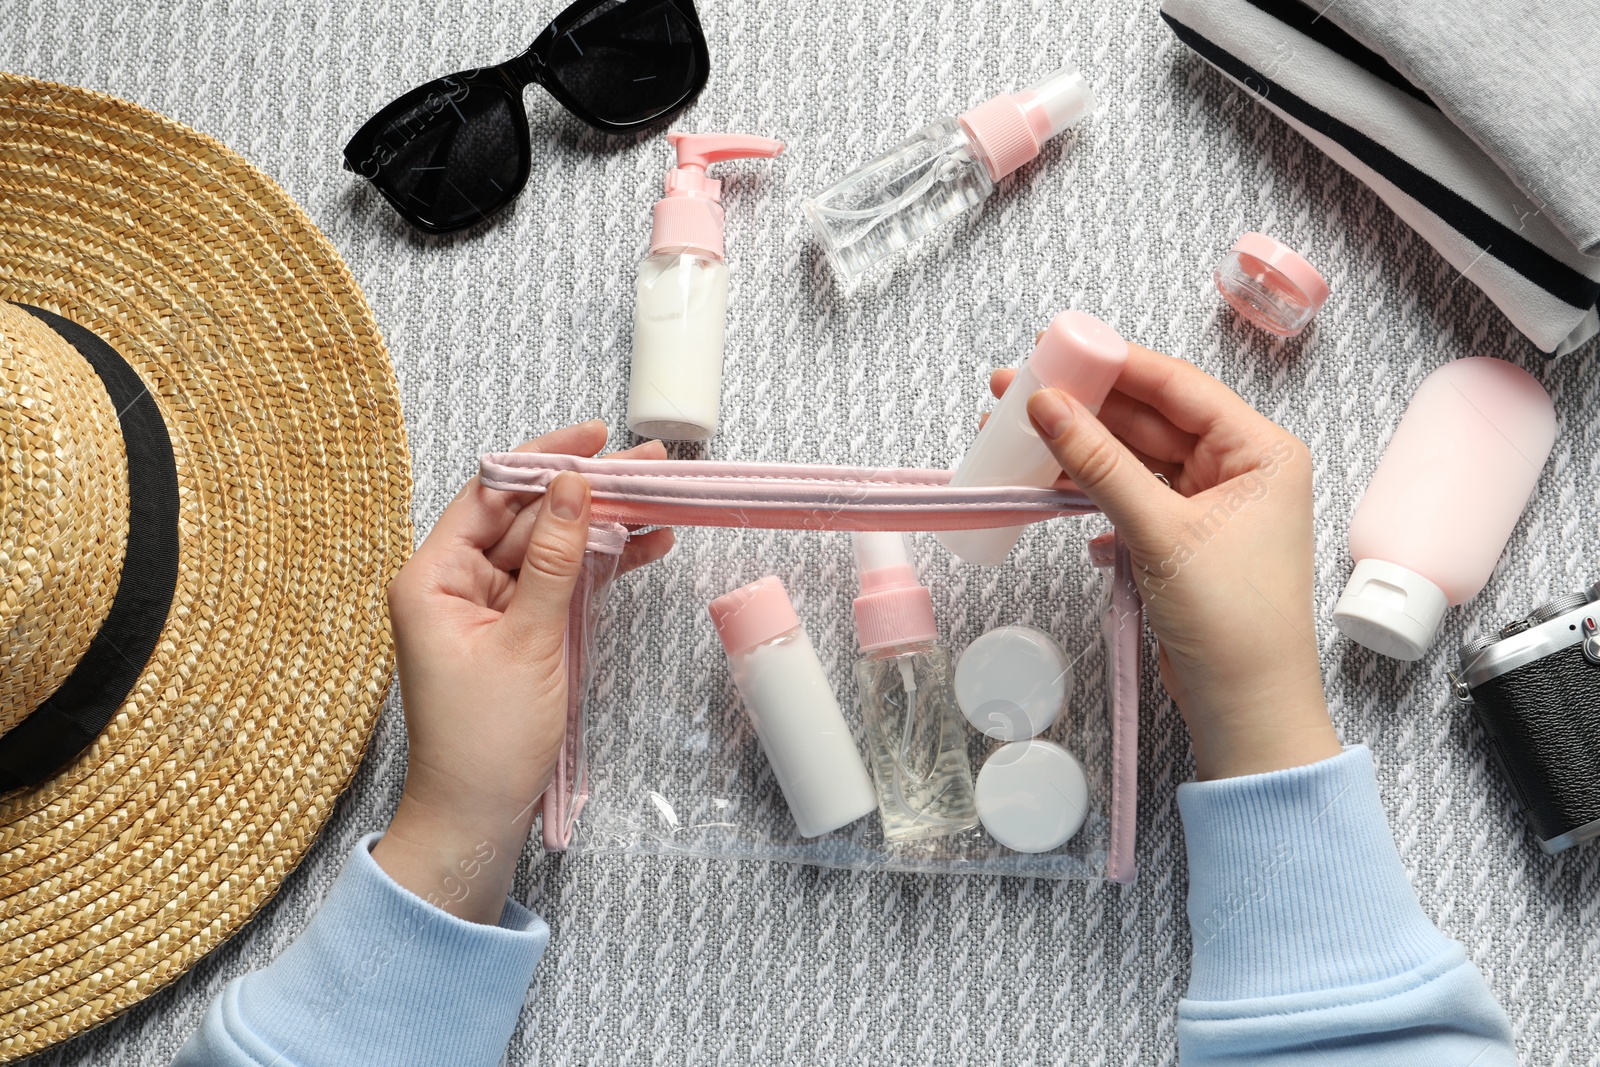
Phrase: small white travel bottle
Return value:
(1079, 355)
(681, 299)
(790, 702)
(940, 171)
(914, 733)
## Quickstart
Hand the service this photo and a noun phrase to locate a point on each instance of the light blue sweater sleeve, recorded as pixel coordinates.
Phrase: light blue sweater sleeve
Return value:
(379, 976)
(1310, 948)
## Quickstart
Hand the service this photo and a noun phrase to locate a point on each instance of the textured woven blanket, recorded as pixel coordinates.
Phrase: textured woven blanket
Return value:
(525, 324)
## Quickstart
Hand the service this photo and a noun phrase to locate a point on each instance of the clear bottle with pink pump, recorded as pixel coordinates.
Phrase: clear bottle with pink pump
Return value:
(681, 299)
(913, 727)
(1447, 493)
(940, 171)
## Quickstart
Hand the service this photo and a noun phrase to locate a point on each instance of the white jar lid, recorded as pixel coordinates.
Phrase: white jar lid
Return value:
(1391, 610)
(1032, 795)
(1012, 682)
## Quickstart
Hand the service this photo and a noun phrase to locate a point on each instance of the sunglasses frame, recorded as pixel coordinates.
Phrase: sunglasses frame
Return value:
(363, 154)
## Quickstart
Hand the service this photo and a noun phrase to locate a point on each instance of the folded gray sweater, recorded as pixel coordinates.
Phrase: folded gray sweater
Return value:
(1520, 77)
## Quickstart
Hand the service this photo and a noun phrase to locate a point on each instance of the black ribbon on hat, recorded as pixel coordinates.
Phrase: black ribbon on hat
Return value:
(73, 716)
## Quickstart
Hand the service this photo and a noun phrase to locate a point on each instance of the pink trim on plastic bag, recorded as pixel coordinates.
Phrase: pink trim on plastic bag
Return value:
(782, 496)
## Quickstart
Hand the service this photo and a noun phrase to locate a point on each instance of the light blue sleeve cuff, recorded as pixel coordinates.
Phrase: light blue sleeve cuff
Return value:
(380, 976)
(1295, 884)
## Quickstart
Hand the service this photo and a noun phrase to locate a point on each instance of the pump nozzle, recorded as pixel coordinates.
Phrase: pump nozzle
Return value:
(690, 216)
(703, 149)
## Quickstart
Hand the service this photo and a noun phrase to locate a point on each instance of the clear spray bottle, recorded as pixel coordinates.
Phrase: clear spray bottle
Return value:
(914, 730)
(939, 172)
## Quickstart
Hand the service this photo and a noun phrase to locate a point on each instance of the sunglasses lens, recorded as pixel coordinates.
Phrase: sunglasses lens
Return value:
(449, 159)
(630, 61)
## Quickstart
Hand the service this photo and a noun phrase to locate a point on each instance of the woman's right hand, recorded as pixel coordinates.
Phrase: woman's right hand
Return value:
(1222, 552)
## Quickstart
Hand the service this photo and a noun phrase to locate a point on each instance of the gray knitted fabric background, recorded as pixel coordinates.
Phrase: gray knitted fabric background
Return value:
(524, 324)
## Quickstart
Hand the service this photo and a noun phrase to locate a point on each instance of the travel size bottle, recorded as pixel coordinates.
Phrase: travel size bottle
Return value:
(1077, 354)
(939, 172)
(914, 730)
(790, 702)
(1447, 493)
(681, 299)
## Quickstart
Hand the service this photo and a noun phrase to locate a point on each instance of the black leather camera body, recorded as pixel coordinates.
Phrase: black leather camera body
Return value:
(1535, 688)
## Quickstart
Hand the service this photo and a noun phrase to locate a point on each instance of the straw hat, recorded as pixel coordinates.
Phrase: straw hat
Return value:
(204, 492)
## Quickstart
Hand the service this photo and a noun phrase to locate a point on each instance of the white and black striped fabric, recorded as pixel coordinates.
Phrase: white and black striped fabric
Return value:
(1354, 105)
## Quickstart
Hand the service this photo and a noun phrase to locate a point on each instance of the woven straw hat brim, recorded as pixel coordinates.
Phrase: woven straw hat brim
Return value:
(250, 718)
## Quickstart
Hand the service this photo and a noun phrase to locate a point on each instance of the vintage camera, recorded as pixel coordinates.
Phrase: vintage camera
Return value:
(1535, 688)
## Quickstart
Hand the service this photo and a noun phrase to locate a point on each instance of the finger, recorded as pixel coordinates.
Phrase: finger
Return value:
(550, 566)
(645, 548)
(1172, 472)
(647, 450)
(1185, 395)
(1144, 429)
(506, 553)
(479, 517)
(1098, 463)
(1000, 381)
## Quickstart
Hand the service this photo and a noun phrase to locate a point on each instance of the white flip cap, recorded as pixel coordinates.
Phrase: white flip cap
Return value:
(1012, 682)
(1389, 609)
(1032, 795)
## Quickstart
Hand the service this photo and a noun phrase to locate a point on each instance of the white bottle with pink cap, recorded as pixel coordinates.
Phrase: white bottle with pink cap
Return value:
(792, 706)
(681, 299)
(940, 171)
(1443, 502)
(1077, 354)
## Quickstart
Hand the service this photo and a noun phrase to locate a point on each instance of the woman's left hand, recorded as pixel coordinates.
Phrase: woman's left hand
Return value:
(480, 616)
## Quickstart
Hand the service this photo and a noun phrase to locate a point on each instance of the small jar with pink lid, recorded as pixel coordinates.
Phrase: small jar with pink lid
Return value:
(1270, 284)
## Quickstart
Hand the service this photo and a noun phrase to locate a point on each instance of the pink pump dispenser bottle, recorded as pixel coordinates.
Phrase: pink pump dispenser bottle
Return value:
(940, 171)
(1443, 502)
(681, 299)
(1079, 355)
(914, 733)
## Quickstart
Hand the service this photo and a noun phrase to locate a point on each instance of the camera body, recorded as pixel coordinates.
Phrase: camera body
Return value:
(1535, 689)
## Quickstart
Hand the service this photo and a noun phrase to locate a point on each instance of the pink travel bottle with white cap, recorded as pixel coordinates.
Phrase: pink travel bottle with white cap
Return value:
(1079, 355)
(681, 300)
(1443, 502)
(940, 171)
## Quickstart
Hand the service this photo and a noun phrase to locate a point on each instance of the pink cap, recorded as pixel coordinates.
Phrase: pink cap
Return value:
(691, 214)
(1080, 355)
(1010, 129)
(893, 608)
(1287, 262)
(753, 614)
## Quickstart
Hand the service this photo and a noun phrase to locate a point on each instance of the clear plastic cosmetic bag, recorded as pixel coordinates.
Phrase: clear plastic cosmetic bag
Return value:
(684, 774)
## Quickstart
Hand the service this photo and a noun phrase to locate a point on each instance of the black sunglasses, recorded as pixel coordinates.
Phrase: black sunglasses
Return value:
(451, 152)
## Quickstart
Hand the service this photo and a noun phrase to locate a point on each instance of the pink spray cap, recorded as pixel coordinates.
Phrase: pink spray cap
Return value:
(1010, 129)
(690, 216)
(1080, 355)
(753, 614)
(893, 608)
